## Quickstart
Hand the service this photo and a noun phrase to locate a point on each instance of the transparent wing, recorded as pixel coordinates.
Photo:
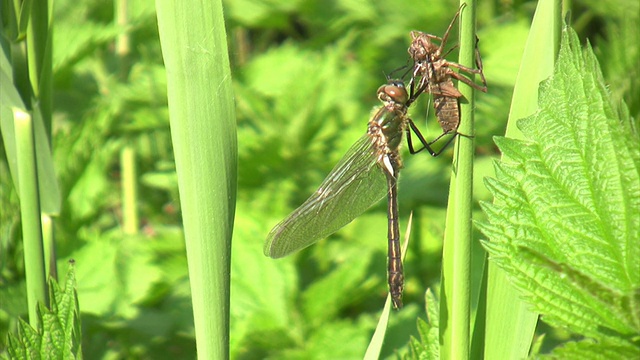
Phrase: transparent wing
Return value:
(354, 184)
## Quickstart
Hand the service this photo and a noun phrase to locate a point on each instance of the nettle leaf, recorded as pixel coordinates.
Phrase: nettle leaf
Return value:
(428, 346)
(565, 223)
(58, 335)
(588, 349)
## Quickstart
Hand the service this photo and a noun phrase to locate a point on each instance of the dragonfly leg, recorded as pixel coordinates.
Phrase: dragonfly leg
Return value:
(465, 79)
(425, 143)
(446, 34)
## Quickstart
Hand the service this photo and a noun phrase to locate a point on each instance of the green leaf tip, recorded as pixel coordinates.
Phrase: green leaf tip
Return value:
(564, 223)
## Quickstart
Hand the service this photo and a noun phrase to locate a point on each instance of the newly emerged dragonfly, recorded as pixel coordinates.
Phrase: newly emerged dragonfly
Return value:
(367, 172)
(433, 74)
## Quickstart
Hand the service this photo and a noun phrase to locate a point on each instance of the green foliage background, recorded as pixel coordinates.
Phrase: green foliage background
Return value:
(305, 75)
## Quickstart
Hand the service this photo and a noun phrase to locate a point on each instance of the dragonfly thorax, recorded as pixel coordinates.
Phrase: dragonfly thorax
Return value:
(388, 125)
(422, 48)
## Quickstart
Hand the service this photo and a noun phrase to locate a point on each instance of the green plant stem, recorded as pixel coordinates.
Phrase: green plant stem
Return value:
(455, 310)
(30, 215)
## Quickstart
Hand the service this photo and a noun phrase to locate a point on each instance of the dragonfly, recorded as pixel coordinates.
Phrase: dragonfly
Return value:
(365, 174)
(433, 73)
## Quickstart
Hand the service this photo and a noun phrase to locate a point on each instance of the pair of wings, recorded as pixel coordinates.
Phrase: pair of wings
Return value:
(355, 184)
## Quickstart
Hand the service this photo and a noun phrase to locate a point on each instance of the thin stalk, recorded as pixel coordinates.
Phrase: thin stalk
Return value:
(123, 40)
(130, 223)
(39, 55)
(30, 215)
(129, 190)
(456, 287)
(50, 255)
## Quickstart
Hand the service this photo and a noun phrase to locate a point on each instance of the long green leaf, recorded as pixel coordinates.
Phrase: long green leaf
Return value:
(202, 119)
(510, 324)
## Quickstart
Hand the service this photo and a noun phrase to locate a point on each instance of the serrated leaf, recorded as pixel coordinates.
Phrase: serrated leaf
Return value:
(507, 192)
(588, 349)
(430, 334)
(504, 171)
(428, 347)
(58, 335)
(515, 148)
(564, 223)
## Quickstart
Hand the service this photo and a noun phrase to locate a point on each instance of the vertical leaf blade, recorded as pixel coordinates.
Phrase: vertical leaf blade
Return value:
(202, 120)
(510, 323)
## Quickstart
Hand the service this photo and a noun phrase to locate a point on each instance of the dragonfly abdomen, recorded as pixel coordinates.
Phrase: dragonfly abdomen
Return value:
(395, 272)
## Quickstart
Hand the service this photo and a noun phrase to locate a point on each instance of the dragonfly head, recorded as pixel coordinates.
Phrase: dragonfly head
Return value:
(393, 93)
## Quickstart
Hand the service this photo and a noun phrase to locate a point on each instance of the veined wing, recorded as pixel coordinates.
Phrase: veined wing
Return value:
(354, 184)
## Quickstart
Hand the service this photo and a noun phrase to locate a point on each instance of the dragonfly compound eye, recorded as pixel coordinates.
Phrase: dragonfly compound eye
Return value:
(396, 92)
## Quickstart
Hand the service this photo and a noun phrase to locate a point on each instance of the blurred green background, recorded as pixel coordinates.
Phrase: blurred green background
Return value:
(305, 77)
